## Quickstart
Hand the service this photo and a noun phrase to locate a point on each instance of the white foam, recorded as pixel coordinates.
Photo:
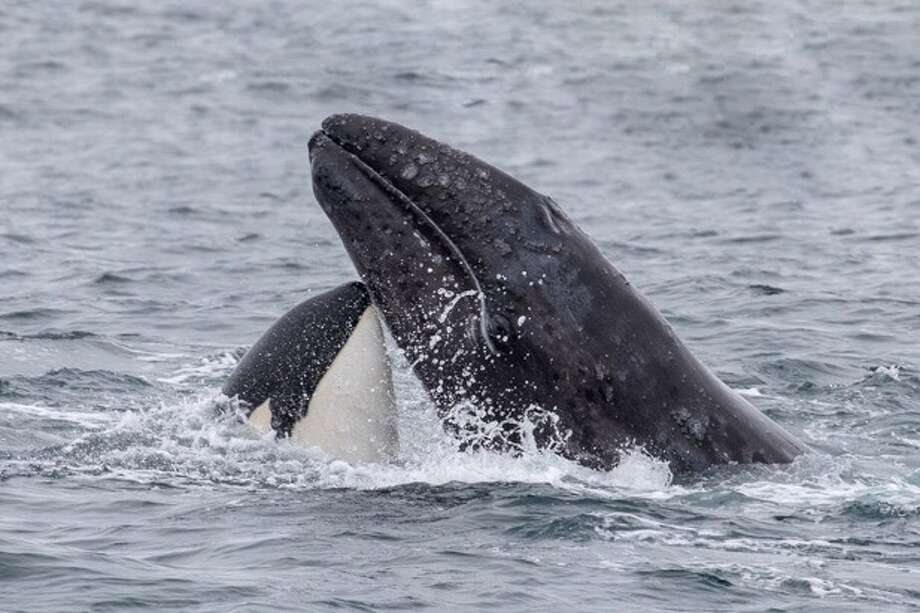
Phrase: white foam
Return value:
(190, 439)
(205, 369)
(892, 371)
(90, 420)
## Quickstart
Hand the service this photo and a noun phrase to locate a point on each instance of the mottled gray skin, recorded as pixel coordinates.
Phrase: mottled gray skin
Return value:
(543, 319)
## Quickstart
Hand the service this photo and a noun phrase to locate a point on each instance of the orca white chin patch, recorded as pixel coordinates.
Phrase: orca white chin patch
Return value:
(351, 415)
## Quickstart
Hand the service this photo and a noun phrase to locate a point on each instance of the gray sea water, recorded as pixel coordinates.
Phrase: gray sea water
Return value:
(753, 167)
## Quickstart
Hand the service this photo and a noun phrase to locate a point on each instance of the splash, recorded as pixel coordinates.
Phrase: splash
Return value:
(891, 371)
(199, 437)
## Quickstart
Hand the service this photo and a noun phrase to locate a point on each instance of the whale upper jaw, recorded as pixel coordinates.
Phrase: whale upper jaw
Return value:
(481, 231)
(464, 196)
(390, 238)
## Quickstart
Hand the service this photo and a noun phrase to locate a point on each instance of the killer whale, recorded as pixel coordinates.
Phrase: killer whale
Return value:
(320, 376)
(505, 306)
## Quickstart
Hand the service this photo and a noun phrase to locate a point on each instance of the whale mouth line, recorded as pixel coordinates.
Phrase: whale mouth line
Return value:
(322, 139)
(387, 186)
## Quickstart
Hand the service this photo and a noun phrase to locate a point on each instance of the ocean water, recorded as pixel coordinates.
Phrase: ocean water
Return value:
(753, 167)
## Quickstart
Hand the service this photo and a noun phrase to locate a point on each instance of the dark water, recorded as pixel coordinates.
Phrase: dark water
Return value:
(753, 167)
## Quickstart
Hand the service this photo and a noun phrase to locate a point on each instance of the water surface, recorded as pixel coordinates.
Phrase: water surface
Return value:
(752, 167)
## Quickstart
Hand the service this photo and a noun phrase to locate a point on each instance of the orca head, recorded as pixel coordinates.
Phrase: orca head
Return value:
(320, 376)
